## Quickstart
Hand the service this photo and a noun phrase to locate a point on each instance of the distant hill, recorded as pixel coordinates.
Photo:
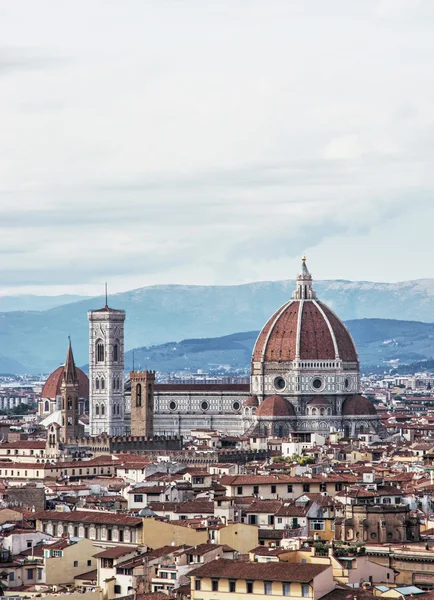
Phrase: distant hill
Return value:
(377, 340)
(33, 302)
(37, 339)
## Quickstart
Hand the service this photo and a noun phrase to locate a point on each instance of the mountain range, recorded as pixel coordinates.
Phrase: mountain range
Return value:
(36, 340)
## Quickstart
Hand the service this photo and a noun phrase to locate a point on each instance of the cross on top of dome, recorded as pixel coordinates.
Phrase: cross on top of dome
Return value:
(304, 290)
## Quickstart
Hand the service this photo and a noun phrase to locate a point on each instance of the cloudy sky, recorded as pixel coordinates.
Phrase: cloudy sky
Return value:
(205, 142)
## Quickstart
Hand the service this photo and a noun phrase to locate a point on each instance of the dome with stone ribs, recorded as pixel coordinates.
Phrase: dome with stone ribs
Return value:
(275, 406)
(305, 329)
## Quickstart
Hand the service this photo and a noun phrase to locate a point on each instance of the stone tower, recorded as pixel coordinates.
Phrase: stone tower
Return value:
(142, 403)
(106, 371)
(69, 388)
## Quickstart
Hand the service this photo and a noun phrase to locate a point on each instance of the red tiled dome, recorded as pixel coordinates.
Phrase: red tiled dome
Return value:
(51, 387)
(317, 333)
(275, 406)
(358, 405)
(252, 401)
(318, 401)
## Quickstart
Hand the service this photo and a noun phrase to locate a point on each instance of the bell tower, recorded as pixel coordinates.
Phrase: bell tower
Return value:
(70, 428)
(106, 371)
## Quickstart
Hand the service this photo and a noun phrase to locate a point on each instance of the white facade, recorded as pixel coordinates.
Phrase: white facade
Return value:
(106, 371)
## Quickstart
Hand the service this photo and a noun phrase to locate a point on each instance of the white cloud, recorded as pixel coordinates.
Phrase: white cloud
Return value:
(150, 142)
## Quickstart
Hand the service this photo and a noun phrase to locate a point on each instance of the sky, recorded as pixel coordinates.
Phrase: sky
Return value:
(214, 142)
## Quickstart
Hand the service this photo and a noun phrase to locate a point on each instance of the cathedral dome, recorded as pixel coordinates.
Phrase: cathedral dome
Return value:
(304, 329)
(275, 406)
(51, 387)
(358, 405)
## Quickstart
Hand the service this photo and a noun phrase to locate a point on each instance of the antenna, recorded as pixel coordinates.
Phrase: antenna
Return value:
(106, 302)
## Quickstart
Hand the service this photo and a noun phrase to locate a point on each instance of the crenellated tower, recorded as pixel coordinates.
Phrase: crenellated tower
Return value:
(142, 403)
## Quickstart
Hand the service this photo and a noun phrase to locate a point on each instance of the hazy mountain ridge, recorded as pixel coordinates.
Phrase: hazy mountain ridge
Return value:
(155, 314)
(32, 302)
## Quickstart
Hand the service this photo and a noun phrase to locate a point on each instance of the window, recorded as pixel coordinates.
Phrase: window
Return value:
(252, 520)
(29, 543)
(322, 487)
(121, 535)
(317, 525)
(240, 490)
(75, 532)
(215, 585)
(249, 587)
(267, 588)
(109, 535)
(102, 405)
(305, 591)
(338, 486)
(97, 383)
(197, 583)
(289, 488)
(279, 520)
(100, 351)
(138, 395)
(271, 519)
(256, 489)
(75, 563)
(117, 589)
(97, 410)
(102, 383)
(232, 586)
(30, 574)
(11, 576)
(286, 589)
(89, 563)
(115, 353)
(306, 487)
(172, 575)
(138, 498)
(273, 489)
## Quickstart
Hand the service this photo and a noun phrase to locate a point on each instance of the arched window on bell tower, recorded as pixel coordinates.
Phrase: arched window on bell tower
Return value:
(116, 351)
(99, 348)
(138, 395)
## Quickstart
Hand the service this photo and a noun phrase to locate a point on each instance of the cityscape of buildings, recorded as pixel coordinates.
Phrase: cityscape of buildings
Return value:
(306, 480)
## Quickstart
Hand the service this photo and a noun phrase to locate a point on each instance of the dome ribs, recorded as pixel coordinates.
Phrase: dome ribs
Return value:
(277, 340)
(347, 350)
(316, 343)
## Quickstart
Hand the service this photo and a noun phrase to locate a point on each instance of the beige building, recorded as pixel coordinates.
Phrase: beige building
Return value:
(240, 580)
(238, 536)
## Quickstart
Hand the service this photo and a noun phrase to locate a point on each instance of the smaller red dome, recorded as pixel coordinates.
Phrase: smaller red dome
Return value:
(358, 405)
(275, 406)
(51, 387)
(252, 401)
(318, 401)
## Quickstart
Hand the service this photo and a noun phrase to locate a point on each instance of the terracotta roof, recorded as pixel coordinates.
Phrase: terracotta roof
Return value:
(275, 406)
(278, 339)
(84, 516)
(51, 387)
(24, 445)
(318, 401)
(272, 571)
(202, 387)
(358, 405)
(251, 401)
(114, 552)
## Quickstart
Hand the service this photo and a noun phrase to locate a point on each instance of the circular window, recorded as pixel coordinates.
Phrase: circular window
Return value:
(172, 405)
(389, 536)
(279, 383)
(236, 406)
(204, 405)
(317, 383)
(373, 536)
(347, 383)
